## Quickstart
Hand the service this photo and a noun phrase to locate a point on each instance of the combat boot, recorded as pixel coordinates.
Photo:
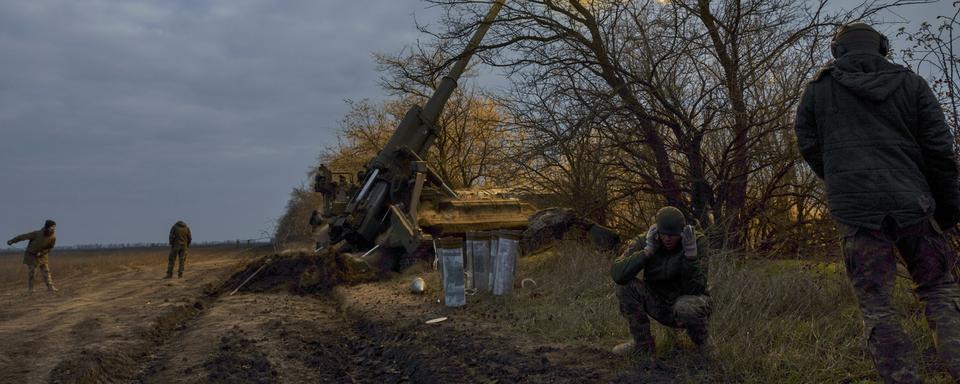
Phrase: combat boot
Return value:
(625, 348)
(645, 352)
(647, 346)
(51, 288)
(701, 338)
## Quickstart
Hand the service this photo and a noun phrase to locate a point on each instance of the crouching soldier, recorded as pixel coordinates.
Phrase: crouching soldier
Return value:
(180, 240)
(673, 291)
(41, 242)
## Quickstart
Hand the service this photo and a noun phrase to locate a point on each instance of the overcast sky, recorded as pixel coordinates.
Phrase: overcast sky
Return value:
(118, 118)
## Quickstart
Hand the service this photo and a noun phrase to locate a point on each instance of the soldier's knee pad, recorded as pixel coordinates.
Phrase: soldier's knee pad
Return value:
(691, 310)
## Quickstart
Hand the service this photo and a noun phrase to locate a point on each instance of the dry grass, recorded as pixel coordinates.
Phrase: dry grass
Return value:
(68, 264)
(773, 321)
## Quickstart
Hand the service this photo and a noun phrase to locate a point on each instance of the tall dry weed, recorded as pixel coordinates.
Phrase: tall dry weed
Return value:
(774, 321)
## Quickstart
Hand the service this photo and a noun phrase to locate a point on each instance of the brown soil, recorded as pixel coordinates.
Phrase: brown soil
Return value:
(131, 326)
(467, 348)
(104, 319)
(299, 272)
(238, 360)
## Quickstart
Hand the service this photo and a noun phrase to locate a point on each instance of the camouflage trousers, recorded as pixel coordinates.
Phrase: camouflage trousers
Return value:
(176, 253)
(872, 268)
(328, 203)
(638, 305)
(33, 265)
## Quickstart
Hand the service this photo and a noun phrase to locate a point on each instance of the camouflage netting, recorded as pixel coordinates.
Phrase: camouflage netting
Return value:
(552, 224)
(301, 272)
(548, 225)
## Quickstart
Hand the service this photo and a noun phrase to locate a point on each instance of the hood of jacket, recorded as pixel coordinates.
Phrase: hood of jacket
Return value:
(869, 75)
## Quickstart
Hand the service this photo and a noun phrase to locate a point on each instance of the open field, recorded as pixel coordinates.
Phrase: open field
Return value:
(116, 320)
(108, 302)
(68, 265)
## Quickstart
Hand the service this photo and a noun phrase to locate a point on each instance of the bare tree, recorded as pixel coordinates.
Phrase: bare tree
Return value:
(688, 103)
(293, 225)
(933, 53)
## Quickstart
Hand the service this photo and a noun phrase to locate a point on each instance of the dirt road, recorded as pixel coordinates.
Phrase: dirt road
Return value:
(106, 314)
(128, 325)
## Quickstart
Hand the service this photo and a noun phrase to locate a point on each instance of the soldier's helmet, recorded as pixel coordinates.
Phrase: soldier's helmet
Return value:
(670, 221)
(858, 37)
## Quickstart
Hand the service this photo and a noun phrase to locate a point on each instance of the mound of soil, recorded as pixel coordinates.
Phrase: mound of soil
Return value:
(94, 366)
(301, 272)
(238, 360)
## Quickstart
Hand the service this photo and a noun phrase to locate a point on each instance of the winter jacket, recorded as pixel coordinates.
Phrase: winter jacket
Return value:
(666, 274)
(875, 133)
(40, 244)
(180, 235)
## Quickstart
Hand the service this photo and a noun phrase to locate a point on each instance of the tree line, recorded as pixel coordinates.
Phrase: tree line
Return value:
(615, 108)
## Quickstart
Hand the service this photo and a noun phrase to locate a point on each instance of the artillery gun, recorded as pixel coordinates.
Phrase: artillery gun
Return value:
(402, 202)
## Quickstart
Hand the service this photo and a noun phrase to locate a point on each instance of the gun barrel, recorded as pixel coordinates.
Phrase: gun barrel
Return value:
(449, 82)
(415, 134)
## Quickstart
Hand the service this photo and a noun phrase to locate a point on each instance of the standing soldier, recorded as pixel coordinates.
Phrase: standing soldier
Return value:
(875, 133)
(323, 183)
(41, 242)
(673, 258)
(316, 222)
(180, 240)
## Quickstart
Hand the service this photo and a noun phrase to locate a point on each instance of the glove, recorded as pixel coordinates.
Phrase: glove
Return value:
(9, 242)
(652, 243)
(689, 240)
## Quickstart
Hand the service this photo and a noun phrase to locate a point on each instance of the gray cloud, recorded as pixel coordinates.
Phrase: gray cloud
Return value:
(118, 118)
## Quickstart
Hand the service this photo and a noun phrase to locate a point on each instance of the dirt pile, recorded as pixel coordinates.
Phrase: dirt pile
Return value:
(94, 365)
(239, 361)
(300, 272)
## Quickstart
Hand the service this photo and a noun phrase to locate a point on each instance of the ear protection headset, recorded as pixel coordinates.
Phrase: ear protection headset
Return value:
(837, 50)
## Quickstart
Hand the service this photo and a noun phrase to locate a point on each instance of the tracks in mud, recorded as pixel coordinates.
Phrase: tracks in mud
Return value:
(120, 361)
(363, 334)
(253, 337)
(271, 338)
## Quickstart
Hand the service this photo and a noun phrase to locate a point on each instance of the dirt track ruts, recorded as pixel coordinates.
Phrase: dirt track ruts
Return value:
(368, 333)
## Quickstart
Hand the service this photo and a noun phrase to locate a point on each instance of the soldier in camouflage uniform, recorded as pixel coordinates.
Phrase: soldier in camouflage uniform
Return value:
(180, 240)
(324, 184)
(35, 257)
(673, 259)
(875, 133)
